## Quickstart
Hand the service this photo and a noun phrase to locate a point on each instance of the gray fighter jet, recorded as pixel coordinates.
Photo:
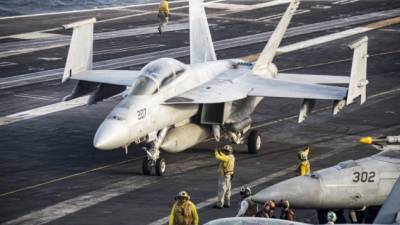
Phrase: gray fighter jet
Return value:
(388, 214)
(352, 184)
(174, 106)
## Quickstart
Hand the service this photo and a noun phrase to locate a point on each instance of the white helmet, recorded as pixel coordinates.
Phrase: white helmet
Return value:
(331, 216)
(246, 191)
(183, 195)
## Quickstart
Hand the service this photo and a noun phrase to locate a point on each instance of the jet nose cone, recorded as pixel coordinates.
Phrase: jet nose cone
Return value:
(111, 134)
(302, 192)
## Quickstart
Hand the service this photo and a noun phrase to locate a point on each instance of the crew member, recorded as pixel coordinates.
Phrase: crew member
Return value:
(331, 217)
(163, 15)
(265, 211)
(183, 211)
(272, 206)
(304, 166)
(248, 207)
(225, 172)
(286, 213)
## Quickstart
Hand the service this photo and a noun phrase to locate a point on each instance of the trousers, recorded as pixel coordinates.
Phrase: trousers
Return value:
(224, 190)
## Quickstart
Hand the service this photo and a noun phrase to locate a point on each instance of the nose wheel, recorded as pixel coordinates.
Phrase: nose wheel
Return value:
(153, 159)
(146, 166)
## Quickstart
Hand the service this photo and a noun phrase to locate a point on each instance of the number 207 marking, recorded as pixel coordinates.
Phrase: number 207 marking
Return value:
(141, 114)
(364, 177)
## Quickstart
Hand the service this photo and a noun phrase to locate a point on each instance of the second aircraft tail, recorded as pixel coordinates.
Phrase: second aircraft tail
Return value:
(201, 45)
(263, 65)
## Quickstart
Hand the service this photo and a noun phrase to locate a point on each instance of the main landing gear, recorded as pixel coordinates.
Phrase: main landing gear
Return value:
(254, 142)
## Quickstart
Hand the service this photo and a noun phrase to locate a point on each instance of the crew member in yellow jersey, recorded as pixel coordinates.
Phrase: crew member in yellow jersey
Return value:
(226, 168)
(183, 211)
(163, 15)
(304, 166)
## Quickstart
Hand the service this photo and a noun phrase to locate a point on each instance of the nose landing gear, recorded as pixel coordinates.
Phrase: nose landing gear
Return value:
(153, 159)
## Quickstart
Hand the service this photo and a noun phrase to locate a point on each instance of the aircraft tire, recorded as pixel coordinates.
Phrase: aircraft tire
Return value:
(161, 166)
(254, 142)
(146, 166)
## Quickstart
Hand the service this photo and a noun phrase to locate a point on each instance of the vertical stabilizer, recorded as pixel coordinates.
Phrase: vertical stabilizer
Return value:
(358, 78)
(201, 45)
(80, 54)
(390, 211)
(264, 62)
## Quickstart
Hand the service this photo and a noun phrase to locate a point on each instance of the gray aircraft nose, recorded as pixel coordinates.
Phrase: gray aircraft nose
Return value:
(111, 134)
(302, 192)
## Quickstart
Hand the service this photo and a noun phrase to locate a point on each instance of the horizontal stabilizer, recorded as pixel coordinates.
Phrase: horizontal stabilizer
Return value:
(116, 77)
(102, 83)
(313, 79)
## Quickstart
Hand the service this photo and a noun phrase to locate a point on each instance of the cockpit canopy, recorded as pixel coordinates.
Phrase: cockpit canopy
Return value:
(156, 75)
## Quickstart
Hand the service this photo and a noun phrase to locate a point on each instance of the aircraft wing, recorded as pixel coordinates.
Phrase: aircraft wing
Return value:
(234, 87)
(116, 77)
(313, 79)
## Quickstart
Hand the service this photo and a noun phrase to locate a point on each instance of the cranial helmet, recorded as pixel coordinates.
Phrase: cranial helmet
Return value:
(245, 191)
(331, 216)
(183, 194)
(228, 148)
(303, 154)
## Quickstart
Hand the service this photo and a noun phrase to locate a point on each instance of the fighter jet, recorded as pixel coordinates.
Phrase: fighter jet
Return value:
(352, 184)
(173, 106)
(388, 214)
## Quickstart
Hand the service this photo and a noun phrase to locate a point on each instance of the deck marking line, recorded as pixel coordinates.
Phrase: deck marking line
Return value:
(336, 36)
(44, 110)
(108, 192)
(87, 10)
(67, 177)
(21, 47)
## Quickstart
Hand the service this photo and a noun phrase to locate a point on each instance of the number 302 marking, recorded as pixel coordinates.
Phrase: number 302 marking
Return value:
(364, 177)
(141, 114)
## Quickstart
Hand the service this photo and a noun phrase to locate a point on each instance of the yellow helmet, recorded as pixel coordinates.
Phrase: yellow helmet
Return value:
(303, 154)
